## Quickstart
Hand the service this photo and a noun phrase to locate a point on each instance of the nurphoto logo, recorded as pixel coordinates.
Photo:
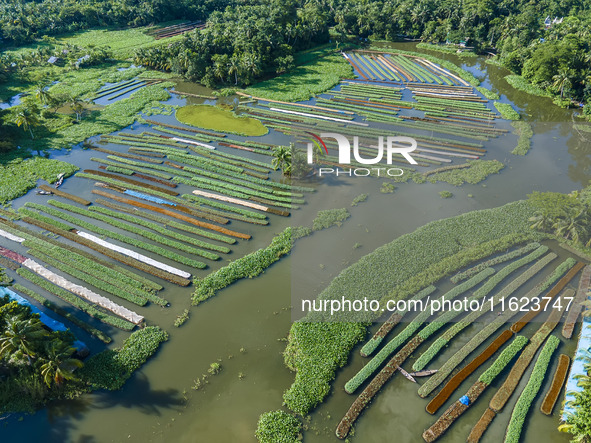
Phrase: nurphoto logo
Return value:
(393, 145)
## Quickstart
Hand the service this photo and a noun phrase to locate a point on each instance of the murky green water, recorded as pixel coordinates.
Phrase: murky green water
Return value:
(158, 403)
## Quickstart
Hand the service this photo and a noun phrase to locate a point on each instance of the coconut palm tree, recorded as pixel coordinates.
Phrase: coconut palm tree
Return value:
(77, 106)
(43, 95)
(27, 120)
(282, 159)
(21, 336)
(562, 80)
(58, 364)
(234, 67)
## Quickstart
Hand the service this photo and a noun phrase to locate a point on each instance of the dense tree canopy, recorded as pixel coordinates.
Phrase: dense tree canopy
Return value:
(22, 21)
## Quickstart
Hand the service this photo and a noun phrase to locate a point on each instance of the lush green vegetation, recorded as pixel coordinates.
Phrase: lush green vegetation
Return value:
(35, 362)
(84, 306)
(330, 217)
(494, 261)
(250, 266)
(460, 356)
(317, 348)
(218, 119)
(507, 111)
(445, 194)
(503, 360)
(518, 82)
(18, 176)
(242, 43)
(367, 370)
(444, 339)
(359, 199)
(488, 93)
(478, 171)
(110, 369)
(304, 81)
(525, 133)
(530, 391)
(22, 20)
(115, 235)
(278, 427)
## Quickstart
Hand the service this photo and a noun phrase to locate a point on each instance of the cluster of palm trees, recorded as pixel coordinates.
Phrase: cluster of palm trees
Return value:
(26, 346)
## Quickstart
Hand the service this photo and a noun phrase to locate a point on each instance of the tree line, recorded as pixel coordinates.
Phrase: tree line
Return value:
(23, 21)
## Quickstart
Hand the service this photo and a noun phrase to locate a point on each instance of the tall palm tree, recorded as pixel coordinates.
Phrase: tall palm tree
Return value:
(76, 106)
(58, 364)
(21, 336)
(234, 66)
(27, 121)
(282, 159)
(562, 80)
(43, 95)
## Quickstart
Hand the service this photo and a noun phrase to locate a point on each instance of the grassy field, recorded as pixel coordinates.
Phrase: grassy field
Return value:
(218, 119)
(304, 81)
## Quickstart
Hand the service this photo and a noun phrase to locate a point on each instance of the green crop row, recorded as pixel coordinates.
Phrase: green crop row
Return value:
(114, 235)
(168, 222)
(32, 214)
(525, 133)
(77, 261)
(260, 166)
(149, 269)
(97, 215)
(356, 381)
(214, 158)
(375, 341)
(123, 274)
(136, 145)
(503, 360)
(223, 206)
(147, 168)
(317, 348)
(507, 111)
(453, 103)
(488, 93)
(60, 311)
(75, 301)
(160, 229)
(485, 289)
(110, 369)
(487, 331)
(493, 261)
(250, 266)
(118, 170)
(504, 293)
(233, 191)
(91, 280)
(131, 166)
(240, 181)
(530, 391)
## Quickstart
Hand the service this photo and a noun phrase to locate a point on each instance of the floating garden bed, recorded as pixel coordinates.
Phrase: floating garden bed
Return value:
(530, 391)
(484, 381)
